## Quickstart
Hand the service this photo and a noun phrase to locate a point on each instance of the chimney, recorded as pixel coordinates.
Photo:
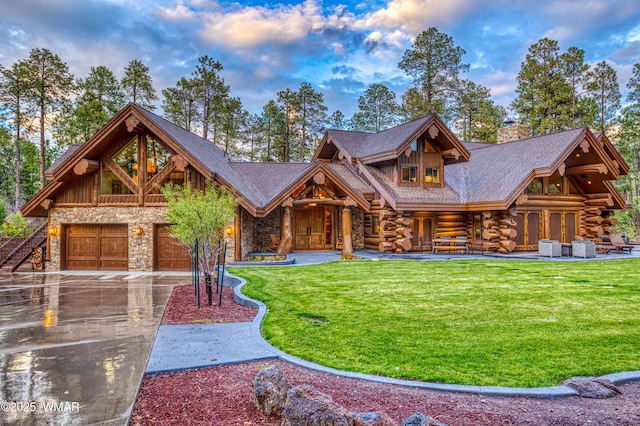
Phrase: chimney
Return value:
(513, 131)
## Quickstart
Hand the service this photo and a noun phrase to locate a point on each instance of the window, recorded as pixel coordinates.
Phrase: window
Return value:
(157, 157)
(409, 174)
(127, 160)
(432, 175)
(535, 187)
(555, 184)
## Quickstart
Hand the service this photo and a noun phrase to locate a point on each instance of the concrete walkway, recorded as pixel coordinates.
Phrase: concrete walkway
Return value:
(179, 347)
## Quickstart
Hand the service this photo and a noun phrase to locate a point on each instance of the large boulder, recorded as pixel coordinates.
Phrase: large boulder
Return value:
(419, 419)
(307, 406)
(270, 389)
(593, 387)
(373, 418)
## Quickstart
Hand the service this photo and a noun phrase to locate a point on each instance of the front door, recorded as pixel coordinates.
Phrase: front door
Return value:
(309, 228)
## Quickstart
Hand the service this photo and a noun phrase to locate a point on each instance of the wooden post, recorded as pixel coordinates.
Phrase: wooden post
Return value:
(347, 244)
(287, 238)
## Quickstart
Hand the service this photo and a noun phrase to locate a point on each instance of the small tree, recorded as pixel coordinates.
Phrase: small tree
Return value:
(200, 216)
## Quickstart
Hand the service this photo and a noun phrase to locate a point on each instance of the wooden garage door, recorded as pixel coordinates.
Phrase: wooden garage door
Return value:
(97, 247)
(169, 254)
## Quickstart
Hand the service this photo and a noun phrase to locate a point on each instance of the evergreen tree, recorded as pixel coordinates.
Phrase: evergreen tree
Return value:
(254, 136)
(312, 113)
(543, 95)
(179, 104)
(231, 121)
(211, 93)
(287, 102)
(602, 86)
(477, 117)
(337, 121)
(273, 120)
(435, 63)
(100, 97)
(51, 85)
(629, 147)
(138, 86)
(575, 72)
(377, 109)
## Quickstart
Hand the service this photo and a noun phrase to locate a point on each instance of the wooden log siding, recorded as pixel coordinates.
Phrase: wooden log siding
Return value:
(499, 231)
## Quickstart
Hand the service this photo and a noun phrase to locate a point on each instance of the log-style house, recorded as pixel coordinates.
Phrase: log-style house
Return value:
(397, 190)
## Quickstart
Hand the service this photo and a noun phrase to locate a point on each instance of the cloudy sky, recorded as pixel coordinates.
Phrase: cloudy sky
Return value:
(338, 46)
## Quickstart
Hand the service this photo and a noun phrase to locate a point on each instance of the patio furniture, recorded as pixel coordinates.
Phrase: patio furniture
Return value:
(549, 248)
(461, 243)
(584, 249)
(442, 243)
(275, 242)
(618, 243)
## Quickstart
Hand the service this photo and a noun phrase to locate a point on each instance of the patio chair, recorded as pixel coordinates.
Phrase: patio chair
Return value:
(602, 247)
(462, 243)
(275, 242)
(618, 243)
(583, 248)
(549, 248)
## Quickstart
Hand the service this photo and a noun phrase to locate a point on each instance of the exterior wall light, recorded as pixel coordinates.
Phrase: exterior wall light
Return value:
(138, 230)
(53, 231)
(228, 230)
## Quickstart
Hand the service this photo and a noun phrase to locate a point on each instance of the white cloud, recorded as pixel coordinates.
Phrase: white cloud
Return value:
(414, 15)
(176, 14)
(253, 26)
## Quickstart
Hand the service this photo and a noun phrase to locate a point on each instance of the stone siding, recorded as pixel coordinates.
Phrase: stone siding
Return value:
(140, 246)
(514, 132)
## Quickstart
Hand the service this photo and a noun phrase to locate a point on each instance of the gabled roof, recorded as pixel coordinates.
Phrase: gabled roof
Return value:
(494, 176)
(259, 185)
(387, 144)
(615, 156)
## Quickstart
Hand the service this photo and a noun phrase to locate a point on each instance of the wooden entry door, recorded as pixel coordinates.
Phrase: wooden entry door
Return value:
(309, 228)
(97, 247)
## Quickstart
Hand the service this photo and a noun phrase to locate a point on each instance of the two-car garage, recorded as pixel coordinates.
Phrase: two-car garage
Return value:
(106, 247)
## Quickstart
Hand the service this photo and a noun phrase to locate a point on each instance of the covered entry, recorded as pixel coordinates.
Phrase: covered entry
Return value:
(169, 254)
(312, 227)
(96, 247)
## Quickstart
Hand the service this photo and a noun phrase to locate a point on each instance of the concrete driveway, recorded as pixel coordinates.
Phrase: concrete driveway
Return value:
(74, 346)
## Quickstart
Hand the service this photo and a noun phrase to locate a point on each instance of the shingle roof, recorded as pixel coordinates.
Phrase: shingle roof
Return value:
(492, 174)
(495, 171)
(361, 144)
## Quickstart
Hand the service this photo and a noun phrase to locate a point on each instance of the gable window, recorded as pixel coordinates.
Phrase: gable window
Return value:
(555, 184)
(535, 187)
(432, 175)
(409, 174)
(125, 160)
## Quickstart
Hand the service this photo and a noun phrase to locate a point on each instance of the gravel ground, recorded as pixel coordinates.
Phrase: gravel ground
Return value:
(222, 395)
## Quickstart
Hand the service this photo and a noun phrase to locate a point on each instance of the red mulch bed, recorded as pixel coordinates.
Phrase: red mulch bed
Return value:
(221, 396)
(182, 307)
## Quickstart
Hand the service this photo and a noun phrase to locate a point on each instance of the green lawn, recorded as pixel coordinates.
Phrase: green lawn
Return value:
(493, 322)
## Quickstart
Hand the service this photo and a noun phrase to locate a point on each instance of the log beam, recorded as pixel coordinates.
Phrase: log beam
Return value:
(86, 166)
(587, 168)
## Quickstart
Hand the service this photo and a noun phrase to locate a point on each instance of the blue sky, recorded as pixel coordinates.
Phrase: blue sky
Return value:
(339, 47)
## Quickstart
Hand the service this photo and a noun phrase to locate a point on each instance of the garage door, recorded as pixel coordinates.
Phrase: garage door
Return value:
(97, 247)
(170, 255)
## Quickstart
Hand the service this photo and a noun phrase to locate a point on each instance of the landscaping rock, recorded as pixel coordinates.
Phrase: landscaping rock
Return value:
(307, 406)
(270, 389)
(373, 418)
(419, 419)
(593, 387)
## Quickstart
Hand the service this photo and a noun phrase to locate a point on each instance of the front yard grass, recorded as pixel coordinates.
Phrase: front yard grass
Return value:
(493, 322)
